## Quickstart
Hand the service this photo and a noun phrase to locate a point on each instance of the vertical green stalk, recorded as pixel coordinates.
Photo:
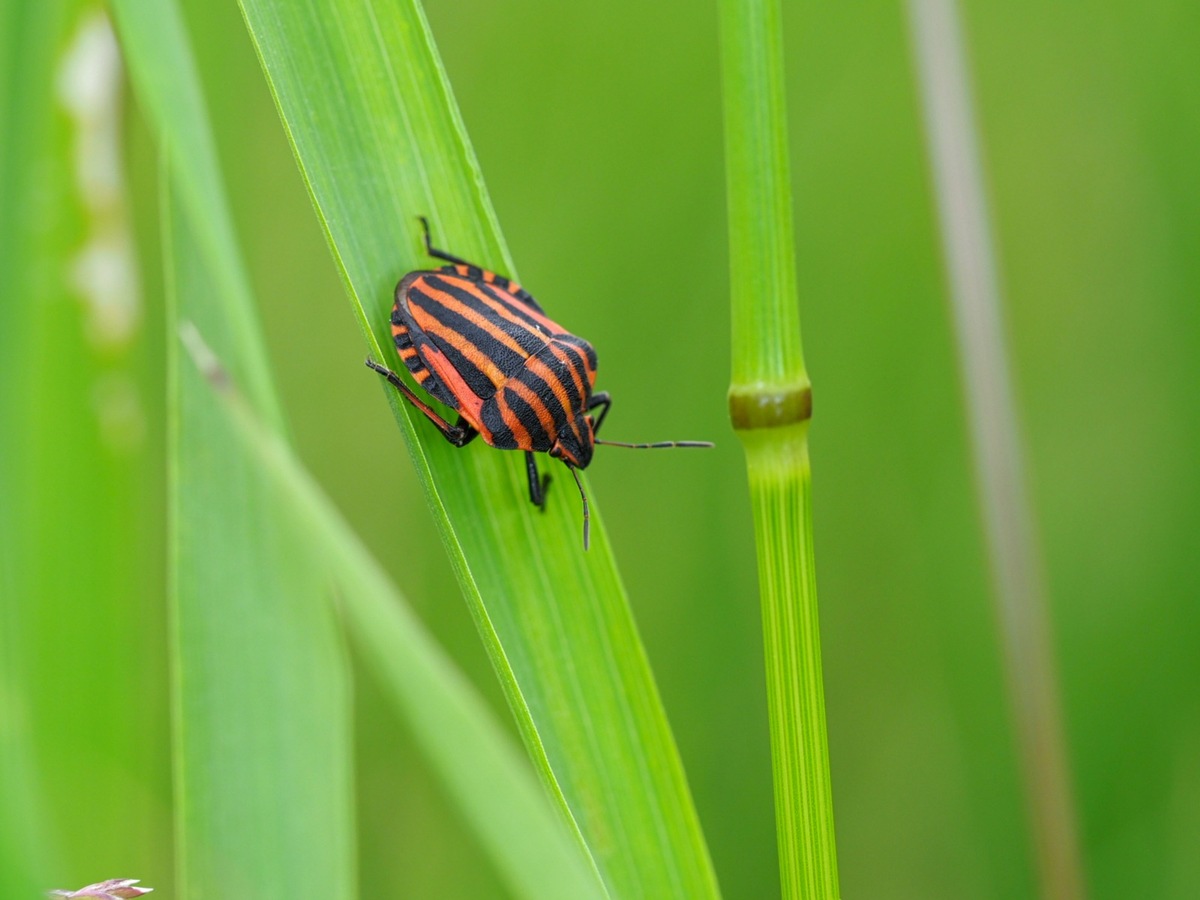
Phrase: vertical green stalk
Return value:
(770, 403)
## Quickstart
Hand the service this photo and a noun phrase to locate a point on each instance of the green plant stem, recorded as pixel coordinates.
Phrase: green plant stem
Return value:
(767, 355)
(770, 405)
(781, 494)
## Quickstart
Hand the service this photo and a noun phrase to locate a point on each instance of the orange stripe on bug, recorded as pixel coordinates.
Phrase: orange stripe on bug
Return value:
(474, 317)
(477, 357)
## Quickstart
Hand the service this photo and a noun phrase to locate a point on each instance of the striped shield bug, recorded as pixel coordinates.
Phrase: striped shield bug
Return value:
(480, 344)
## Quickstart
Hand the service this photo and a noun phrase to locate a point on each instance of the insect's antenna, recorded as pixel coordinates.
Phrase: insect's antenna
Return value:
(661, 445)
(587, 517)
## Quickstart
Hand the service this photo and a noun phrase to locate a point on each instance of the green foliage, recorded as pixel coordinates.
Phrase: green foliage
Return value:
(491, 783)
(599, 131)
(261, 696)
(1018, 577)
(262, 741)
(244, 569)
(77, 550)
(380, 145)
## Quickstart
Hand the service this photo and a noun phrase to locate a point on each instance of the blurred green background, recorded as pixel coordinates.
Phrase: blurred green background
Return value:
(598, 128)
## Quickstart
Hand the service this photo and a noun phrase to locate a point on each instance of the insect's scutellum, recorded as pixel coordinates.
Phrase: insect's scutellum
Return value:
(480, 344)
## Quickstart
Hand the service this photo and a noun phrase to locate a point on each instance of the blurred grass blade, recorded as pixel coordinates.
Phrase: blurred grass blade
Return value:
(77, 482)
(262, 756)
(29, 38)
(1019, 585)
(491, 783)
(770, 404)
(168, 87)
(379, 141)
(263, 765)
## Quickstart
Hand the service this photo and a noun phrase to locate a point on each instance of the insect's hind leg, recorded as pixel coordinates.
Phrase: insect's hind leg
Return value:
(459, 434)
(537, 485)
(442, 254)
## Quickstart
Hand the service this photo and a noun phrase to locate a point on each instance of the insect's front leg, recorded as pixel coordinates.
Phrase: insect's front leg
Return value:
(464, 433)
(600, 399)
(537, 485)
(459, 434)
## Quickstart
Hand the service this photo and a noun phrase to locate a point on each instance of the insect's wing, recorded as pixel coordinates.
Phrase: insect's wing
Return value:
(516, 293)
(412, 348)
(472, 335)
(519, 295)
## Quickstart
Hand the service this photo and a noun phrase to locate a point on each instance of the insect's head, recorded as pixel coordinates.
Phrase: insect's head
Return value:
(575, 442)
(574, 445)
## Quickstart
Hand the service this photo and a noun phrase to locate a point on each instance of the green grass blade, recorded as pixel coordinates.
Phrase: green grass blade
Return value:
(378, 138)
(263, 769)
(76, 476)
(168, 86)
(770, 405)
(28, 41)
(263, 766)
(491, 782)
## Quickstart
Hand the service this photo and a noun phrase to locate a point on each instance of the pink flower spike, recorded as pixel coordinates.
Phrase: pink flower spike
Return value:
(112, 889)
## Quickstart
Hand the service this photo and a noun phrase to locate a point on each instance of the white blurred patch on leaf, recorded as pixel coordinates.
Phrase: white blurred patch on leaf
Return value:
(103, 271)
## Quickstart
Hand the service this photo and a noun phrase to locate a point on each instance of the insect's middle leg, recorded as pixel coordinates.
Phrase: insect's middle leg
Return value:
(600, 399)
(537, 484)
(460, 434)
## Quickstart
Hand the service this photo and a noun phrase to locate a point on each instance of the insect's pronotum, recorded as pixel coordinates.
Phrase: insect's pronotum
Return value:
(482, 345)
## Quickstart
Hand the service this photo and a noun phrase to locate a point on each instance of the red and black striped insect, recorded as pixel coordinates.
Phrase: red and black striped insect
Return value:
(480, 344)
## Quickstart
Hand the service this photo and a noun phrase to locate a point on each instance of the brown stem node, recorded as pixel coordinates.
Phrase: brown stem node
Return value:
(770, 405)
